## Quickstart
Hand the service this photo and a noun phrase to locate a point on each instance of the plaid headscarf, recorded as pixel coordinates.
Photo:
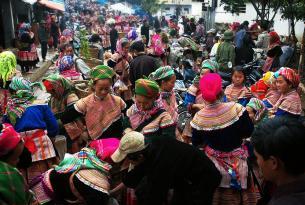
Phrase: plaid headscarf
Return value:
(85, 159)
(211, 65)
(259, 107)
(290, 75)
(147, 88)
(8, 65)
(12, 189)
(62, 87)
(66, 63)
(161, 73)
(23, 97)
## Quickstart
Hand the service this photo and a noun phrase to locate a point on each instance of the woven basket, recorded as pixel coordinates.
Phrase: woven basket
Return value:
(93, 62)
(82, 88)
(94, 52)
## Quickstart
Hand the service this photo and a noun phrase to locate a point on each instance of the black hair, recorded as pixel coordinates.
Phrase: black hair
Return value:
(217, 38)
(137, 46)
(239, 69)
(124, 43)
(264, 25)
(136, 155)
(283, 138)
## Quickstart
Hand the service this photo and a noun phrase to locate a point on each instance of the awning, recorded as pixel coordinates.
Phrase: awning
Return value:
(54, 4)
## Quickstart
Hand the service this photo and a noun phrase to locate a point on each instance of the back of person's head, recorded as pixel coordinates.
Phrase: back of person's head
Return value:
(264, 25)
(137, 46)
(284, 139)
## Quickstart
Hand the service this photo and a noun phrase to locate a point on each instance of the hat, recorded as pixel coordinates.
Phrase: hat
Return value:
(130, 143)
(290, 75)
(210, 87)
(101, 72)
(211, 65)
(9, 139)
(228, 35)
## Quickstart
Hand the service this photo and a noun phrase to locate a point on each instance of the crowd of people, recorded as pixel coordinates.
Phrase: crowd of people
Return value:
(242, 144)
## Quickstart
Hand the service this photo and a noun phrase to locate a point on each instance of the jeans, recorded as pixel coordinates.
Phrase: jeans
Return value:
(44, 49)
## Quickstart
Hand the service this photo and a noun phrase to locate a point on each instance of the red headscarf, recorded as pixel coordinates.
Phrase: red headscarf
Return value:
(274, 39)
(291, 76)
(9, 139)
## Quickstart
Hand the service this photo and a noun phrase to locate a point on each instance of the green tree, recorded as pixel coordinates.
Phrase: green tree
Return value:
(150, 6)
(293, 10)
(265, 9)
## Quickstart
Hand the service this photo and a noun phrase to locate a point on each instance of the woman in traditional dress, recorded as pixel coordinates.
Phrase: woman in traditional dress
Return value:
(147, 115)
(101, 110)
(13, 189)
(193, 99)
(166, 78)
(214, 130)
(67, 68)
(8, 70)
(274, 52)
(63, 95)
(81, 178)
(289, 103)
(237, 91)
(36, 124)
(27, 55)
(120, 63)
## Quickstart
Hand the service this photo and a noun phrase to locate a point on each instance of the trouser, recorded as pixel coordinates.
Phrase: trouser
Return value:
(55, 41)
(44, 49)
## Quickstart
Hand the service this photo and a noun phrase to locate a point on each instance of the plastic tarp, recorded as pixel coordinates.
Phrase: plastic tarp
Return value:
(122, 8)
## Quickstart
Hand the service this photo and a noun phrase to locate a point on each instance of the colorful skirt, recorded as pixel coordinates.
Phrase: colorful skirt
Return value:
(27, 58)
(236, 185)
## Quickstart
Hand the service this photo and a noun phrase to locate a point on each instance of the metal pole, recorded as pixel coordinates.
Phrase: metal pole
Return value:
(12, 19)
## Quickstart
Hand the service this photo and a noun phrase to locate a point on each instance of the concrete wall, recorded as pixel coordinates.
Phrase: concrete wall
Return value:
(281, 26)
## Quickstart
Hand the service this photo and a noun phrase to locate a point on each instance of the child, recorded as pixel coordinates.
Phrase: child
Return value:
(237, 91)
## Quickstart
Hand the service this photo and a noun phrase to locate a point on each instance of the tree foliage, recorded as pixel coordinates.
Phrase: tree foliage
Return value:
(150, 6)
(265, 9)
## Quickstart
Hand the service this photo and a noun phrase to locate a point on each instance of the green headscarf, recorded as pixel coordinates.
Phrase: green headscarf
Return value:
(259, 108)
(147, 88)
(161, 73)
(8, 65)
(101, 72)
(19, 101)
(12, 189)
(211, 65)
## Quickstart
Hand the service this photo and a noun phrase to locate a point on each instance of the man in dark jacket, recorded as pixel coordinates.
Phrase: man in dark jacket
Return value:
(279, 147)
(145, 30)
(142, 64)
(167, 164)
(43, 36)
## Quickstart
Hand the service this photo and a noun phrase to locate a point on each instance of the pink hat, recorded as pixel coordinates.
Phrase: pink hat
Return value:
(9, 139)
(210, 86)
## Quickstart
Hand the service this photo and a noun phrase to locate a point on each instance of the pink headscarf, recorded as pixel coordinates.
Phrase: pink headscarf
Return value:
(210, 87)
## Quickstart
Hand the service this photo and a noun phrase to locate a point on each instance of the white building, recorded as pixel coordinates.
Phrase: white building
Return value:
(280, 26)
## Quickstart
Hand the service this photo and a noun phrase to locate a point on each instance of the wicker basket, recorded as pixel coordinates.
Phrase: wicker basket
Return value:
(82, 88)
(94, 52)
(93, 62)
